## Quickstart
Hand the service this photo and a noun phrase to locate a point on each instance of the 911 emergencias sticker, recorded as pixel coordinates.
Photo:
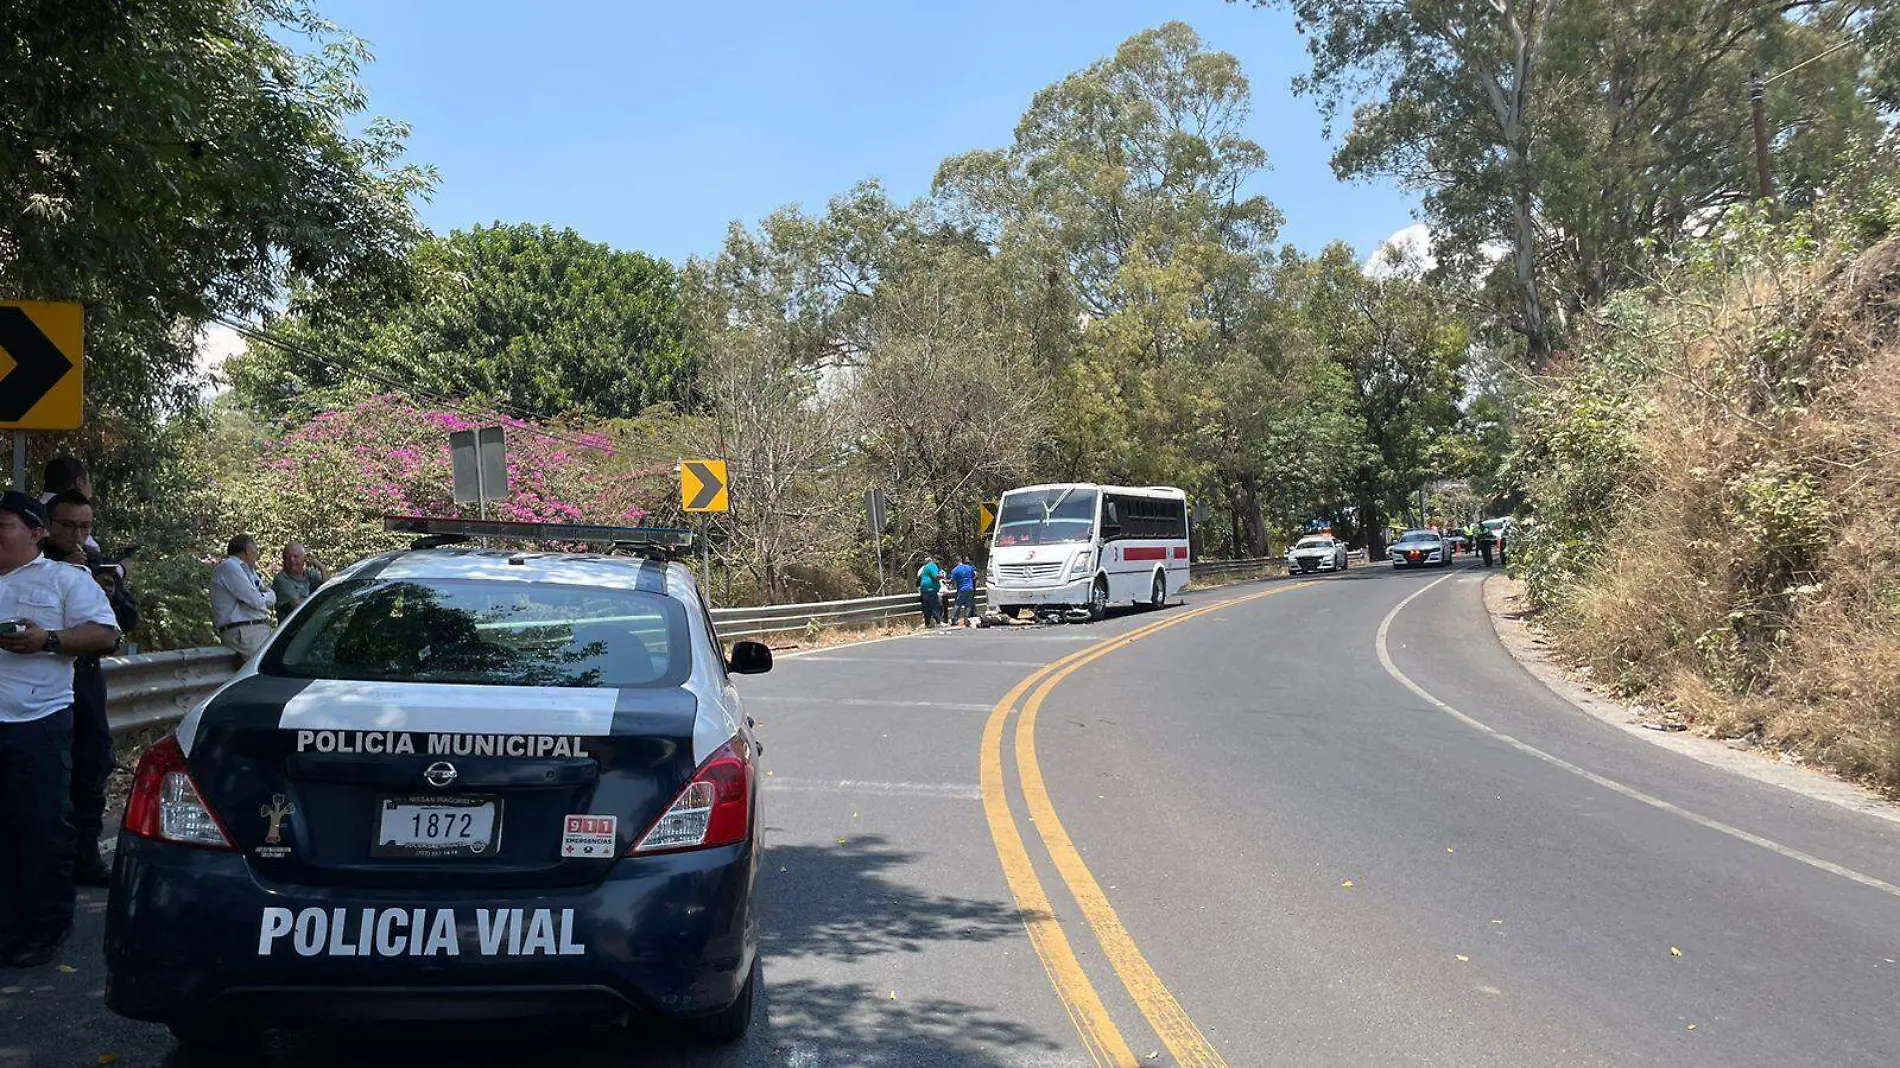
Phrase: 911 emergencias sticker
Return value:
(588, 836)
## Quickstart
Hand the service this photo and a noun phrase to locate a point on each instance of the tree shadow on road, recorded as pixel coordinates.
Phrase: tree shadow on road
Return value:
(838, 903)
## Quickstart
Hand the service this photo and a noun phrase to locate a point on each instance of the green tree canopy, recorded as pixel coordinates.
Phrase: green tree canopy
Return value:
(1124, 214)
(1579, 135)
(170, 161)
(1401, 346)
(540, 320)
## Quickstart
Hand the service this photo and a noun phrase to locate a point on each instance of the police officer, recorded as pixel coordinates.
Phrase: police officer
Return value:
(49, 613)
(69, 529)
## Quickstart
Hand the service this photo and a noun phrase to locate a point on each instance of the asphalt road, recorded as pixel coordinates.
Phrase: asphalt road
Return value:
(1238, 837)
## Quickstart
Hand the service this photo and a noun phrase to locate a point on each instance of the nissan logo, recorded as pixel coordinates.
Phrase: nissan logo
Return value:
(440, 773)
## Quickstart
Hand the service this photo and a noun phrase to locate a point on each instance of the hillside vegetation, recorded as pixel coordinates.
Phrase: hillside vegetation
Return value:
(1715, 478)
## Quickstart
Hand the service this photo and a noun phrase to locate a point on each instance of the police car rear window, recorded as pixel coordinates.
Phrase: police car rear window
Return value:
(485, 633)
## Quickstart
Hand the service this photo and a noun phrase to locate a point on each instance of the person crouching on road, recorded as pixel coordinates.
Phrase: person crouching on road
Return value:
(930, 591)
(50, 612)
(963, 577)
(239, 607)
(296, 581)
(69, 528)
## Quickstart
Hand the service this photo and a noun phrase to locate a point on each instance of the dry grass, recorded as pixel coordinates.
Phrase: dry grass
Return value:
(1756, 589)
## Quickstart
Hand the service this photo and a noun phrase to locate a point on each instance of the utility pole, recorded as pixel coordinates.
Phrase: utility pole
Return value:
(1757, 101)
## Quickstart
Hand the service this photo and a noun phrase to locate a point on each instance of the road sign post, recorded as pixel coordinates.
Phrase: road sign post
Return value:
(704, 491)
(703, 486)
(874, 502)
(986, 516)
(705, 555)
(478, 462)
(43, 386)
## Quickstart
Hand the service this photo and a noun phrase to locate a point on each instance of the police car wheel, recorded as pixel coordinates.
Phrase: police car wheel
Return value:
(214, 1037)
(730, 1023)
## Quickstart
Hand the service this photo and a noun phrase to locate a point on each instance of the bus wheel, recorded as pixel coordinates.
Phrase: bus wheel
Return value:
(1159, 595)
(1098, 600)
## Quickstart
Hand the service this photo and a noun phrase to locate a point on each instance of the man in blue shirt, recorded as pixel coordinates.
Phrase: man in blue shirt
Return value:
(963, 576)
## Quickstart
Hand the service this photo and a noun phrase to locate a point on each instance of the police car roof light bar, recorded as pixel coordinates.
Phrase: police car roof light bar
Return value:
(447, 531)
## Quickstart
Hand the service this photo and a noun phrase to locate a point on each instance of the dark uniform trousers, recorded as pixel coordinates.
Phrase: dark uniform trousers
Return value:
(92, 754)
(36, 827)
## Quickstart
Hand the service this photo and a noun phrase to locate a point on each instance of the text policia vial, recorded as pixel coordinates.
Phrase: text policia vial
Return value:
(365, 932)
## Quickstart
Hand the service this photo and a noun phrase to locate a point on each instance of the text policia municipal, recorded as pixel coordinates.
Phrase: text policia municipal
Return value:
(373, 932)
(398, 743)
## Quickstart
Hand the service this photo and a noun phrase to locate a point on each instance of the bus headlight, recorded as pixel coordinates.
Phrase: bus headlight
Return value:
(1084, 563)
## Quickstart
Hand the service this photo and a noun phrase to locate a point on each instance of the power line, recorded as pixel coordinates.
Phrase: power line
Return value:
(405, 389)
(1811, 59)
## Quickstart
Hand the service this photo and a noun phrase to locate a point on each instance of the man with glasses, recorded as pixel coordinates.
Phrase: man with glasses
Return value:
(68, 532)
(66, 473)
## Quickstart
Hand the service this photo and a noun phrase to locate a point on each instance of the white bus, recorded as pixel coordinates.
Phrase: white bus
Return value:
(1076, 547)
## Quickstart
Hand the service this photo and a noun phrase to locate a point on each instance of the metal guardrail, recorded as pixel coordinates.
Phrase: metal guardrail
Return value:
(1230, 568)
(786, 618)
(154, 688)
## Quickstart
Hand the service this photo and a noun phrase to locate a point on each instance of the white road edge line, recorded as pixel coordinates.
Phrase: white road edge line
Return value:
(948, 790)
(862, 702)
(1385, 660)
(841, 645)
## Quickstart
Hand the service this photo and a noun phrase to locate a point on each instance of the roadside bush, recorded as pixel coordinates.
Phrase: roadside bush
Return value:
(1717, 494)
(328, 484)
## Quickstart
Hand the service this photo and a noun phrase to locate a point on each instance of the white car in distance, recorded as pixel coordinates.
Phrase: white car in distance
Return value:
(1316, 552)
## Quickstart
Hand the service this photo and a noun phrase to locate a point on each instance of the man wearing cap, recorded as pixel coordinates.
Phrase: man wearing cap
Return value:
(50, 612)
(239, 608)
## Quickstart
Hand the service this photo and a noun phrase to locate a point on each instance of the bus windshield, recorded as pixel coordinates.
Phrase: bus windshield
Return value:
(1047, 517)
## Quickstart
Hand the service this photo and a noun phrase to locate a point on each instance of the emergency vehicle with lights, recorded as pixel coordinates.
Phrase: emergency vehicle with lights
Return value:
(458, 783)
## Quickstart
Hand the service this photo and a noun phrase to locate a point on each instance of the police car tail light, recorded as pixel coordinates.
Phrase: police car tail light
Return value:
(715, 808)
(165, 803)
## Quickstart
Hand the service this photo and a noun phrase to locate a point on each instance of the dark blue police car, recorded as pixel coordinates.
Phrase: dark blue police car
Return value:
(457, 784)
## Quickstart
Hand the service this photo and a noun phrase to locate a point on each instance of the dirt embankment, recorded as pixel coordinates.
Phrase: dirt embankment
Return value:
(1750, 586)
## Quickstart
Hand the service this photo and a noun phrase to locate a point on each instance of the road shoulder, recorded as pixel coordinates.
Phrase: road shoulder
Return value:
(1505, 605)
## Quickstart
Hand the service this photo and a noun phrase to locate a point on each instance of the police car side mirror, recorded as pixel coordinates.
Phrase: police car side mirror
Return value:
(750, 658)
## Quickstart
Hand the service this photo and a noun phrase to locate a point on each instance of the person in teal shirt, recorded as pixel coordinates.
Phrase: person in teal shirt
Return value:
(929, 591)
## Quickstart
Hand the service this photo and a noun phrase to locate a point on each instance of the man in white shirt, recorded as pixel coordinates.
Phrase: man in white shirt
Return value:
(50, 612)
(239, 607)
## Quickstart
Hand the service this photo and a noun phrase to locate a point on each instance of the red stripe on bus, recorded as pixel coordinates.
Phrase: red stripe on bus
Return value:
(1151, 552)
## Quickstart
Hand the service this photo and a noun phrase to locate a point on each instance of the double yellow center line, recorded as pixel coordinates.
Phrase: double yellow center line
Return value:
(1078, 995)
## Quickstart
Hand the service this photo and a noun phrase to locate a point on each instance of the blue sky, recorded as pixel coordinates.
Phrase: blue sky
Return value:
(652, 126)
